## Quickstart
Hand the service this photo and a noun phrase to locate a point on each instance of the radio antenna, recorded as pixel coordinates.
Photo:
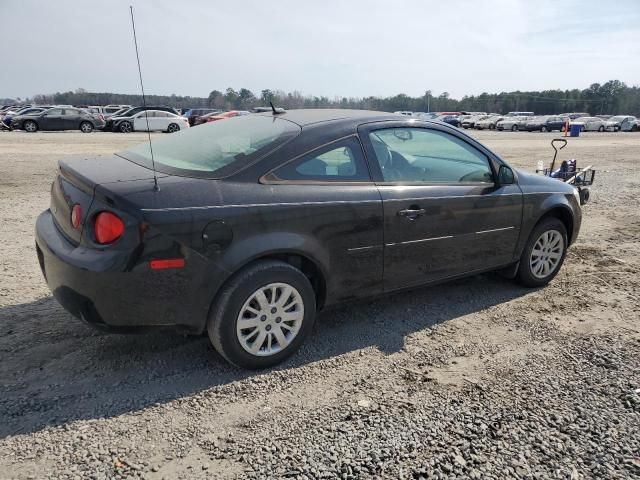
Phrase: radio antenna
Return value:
(144, 103)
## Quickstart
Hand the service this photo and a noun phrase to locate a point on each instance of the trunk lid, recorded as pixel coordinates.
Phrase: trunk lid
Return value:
(76, 185)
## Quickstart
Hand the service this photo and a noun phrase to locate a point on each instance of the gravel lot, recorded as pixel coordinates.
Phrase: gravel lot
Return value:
(475, 379)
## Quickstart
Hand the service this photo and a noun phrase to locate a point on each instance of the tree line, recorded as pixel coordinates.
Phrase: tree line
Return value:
(612, 97)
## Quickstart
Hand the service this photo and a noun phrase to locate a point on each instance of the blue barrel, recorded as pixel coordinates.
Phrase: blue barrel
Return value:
(575, 130)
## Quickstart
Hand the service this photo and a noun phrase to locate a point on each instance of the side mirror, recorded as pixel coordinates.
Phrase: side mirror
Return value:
(505, 176)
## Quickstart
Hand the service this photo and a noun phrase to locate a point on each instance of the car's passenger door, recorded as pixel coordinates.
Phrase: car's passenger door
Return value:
(327, 199)
(140, 121)
(70, 119)
(444, 212)
(52, 119)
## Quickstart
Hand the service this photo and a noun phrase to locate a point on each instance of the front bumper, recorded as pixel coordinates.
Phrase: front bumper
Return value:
(102, 288)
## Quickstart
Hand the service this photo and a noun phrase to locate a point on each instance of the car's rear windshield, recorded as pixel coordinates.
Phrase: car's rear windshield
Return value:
(217, 149)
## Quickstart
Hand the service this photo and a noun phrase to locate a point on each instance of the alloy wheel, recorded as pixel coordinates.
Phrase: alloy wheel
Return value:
(546, 254)
(270, 319)
(30, 127)
(173, 128)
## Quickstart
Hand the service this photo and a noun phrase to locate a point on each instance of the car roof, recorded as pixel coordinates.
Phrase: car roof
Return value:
(304, 117)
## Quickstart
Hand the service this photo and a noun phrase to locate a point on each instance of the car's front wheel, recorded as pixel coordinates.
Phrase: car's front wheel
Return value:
(86, 127)
(30, 126)
(514, 128)
(544, 128)
(601, 128)
(543, 254)
(173, 127)
(262, 315)
(125, 127)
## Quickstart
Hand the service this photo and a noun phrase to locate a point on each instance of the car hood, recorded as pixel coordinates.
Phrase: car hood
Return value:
(609, 122)
(544, 183)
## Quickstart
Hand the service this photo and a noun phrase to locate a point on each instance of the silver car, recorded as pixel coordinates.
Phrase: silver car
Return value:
(624, 123)
(512, 123)
(589, 124)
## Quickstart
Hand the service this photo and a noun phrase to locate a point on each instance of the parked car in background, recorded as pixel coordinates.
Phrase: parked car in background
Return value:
(488, 123)
(546, 123)
(589, 124)
(113, 122)
(56, 118)
(257, 225)
(520, 114)
(621, 123)
(469, 121)
(225, 115)
(406, 113)
(426, 115)
(8, 118)
(604, 117)
(193, 113)
(513, 123)
(154, 121)
(574, 115)
(450, 119)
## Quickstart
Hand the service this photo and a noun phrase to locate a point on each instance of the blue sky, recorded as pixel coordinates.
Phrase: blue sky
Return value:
(327, 47)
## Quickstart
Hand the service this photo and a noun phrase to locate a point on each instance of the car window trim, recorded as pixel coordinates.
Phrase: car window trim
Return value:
(374, 167)
(270, 178)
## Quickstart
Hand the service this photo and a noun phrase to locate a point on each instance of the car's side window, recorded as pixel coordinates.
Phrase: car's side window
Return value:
(341, 161)
(430, 156)
(54, 111)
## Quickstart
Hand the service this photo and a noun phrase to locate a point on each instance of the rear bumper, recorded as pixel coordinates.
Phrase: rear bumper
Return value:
(107, 289)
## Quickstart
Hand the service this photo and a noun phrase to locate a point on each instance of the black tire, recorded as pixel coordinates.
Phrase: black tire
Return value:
(544, 129)
(514, 128)
(601, 128)
(634, 128)
(525, 275)
(30, 126)
(125, 127)
(86, 127)
(223, 316)
(173, 127)
(582, 128)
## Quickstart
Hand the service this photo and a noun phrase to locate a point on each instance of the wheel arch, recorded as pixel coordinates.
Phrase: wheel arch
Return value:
(562, 213)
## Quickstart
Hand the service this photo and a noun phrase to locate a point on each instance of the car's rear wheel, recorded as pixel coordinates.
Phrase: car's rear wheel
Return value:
(30, 126)
(514, 128)
(86, 127)
(601, 128)
(262, 315)
(125, 127)
(173, 127)
(544, 253)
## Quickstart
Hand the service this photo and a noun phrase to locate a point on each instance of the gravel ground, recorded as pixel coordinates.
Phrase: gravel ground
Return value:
(475, 379)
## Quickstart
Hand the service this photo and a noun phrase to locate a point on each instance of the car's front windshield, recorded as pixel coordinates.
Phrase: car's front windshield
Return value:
(216, 149)
(617, 118)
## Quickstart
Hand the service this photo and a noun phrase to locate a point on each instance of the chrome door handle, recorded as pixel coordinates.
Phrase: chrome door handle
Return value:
(412, 213)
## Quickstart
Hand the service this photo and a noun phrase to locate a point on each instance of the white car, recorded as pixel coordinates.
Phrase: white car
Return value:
(624, 123)
(157, 121)
(589, 124)
(512, 123)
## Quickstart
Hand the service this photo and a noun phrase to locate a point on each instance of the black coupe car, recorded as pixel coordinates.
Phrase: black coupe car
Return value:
(260, 221)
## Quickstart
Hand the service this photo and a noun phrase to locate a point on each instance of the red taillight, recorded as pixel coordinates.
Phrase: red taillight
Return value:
(109, 227)
(76, 216)
(167, 263)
